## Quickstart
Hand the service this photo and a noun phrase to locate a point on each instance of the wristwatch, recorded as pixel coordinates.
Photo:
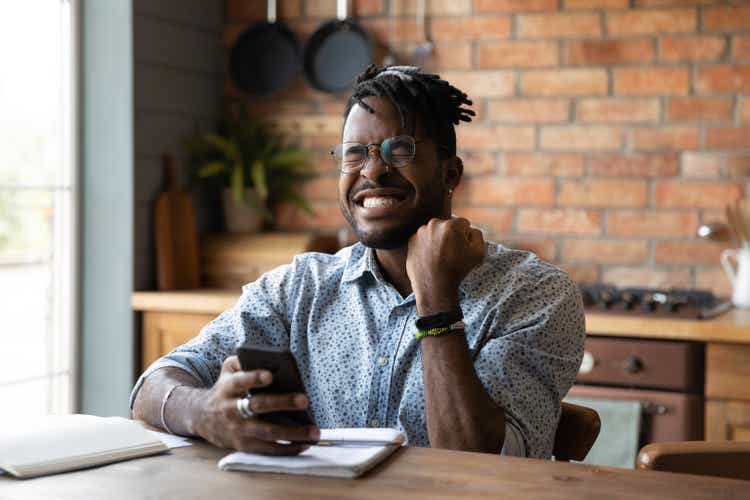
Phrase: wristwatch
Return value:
(439, 320)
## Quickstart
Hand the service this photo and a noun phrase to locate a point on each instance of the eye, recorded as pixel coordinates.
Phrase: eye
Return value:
(353, 153)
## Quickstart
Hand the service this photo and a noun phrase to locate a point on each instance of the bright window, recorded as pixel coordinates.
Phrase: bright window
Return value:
(38, 192)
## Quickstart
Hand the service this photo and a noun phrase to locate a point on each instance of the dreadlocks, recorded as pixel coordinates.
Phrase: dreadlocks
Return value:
(415, 93)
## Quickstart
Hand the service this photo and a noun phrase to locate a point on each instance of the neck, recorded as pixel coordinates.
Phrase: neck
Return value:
(393, 268)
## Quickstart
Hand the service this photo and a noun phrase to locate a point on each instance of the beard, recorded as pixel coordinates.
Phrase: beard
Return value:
(398, 236)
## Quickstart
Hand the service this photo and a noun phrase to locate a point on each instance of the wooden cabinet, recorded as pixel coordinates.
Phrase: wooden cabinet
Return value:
(163, 331)
(727, 420)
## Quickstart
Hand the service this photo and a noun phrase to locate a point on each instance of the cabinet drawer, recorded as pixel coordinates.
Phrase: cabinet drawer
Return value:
(643, 363)
(728, 371)
(163, 331)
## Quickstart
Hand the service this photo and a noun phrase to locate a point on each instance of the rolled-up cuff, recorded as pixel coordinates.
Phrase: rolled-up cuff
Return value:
(513, 444)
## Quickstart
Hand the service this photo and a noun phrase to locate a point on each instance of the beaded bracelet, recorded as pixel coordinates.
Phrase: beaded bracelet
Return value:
(164, 406)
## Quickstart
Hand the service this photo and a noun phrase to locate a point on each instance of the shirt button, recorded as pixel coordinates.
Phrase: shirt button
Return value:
(382, 361)
(375, 422)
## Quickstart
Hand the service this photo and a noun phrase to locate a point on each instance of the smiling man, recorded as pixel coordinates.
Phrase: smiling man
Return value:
(422, 325)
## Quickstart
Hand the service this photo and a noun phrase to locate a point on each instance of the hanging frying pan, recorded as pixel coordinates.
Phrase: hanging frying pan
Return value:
(337, 52)
(266, 56)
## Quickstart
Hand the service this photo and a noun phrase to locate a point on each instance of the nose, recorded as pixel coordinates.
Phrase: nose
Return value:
(374, 166)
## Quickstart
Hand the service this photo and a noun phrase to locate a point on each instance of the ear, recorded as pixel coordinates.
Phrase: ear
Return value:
(452, 171)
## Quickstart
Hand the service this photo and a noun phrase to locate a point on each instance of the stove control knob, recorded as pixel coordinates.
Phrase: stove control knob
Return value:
(633, 364)
(587, 363)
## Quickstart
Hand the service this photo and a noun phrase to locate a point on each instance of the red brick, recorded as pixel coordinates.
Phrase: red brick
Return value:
(648, 277)
(581, 138)
(693, 48)
(722, 78)
(559, 221)
(726, 18)
(506, 191)
(687, 252)
(651, 81)
(699, 108)
(517, 54)
(481, 83)
(618, 110)
(591, 52)
(581, 273)
(263, 108)
(738, 165)
(561, 164)
(451, 55)
(741, 48)
(672, 138)
(432, 7)
(715, 279)
(651, 223)
(651, 22)
(557, 25)
(728, 137)
(564, 82)
(327, 217)
(621, 165)
(745, 109)
(496, 138)
(544, 248)
(470, 28)
(701, 165)
(514, 5)
(487, 218)
(695, 194)
(529, 110)
(324, 187)
(658, 3)
(596, 4)
(303, 29)
(387, 31)
(478, 163)
(602, 193)
(607, 251)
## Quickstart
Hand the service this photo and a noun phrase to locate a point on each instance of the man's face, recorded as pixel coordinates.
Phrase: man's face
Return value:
(386, 205)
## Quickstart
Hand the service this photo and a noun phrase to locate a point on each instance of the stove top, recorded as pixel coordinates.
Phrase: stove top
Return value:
(680, 303)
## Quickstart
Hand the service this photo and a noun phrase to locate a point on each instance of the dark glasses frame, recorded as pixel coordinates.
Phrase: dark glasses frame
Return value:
(384, 152)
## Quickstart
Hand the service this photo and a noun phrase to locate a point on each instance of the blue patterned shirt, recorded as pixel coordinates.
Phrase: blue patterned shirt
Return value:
(352, 335)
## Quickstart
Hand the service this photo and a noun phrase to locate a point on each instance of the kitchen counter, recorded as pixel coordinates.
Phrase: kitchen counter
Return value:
(730, 327)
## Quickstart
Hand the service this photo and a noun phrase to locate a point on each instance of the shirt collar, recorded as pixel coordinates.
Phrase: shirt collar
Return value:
(362, 260)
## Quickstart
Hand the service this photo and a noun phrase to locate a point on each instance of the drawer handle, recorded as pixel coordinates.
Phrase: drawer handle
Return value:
(633, 364)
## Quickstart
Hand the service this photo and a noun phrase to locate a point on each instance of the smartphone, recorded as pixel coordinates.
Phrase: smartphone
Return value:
(286, 378)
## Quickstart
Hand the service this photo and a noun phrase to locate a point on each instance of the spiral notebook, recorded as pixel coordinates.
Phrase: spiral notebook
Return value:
(342, 453)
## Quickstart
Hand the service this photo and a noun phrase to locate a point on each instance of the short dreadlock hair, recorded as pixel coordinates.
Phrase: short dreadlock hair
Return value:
(413, 93)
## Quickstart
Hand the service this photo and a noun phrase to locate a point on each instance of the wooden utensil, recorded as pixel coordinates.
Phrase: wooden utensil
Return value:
(177, 263)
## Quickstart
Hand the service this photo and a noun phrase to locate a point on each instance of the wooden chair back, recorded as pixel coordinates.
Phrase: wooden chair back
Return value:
(576, 432)
(706, 458)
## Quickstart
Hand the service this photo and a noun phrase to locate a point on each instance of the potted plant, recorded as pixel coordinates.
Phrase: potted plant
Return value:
(256, 168)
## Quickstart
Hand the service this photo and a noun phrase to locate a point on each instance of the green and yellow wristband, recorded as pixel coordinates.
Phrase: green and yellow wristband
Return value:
(441, 330)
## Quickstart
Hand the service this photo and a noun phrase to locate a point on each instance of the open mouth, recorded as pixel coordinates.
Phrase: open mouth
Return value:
(381, 198)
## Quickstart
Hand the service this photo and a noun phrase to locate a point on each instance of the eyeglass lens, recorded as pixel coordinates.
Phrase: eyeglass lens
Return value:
(395, 151)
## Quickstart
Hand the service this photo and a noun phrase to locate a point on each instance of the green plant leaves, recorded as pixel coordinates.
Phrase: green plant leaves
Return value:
(226, 146)
(237, 183)
(211, 168)
(258, 174)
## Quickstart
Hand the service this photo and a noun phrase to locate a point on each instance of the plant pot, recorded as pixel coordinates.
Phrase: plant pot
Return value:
(241, 217)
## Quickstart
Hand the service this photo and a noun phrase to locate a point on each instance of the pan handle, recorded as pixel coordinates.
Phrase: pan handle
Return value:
(271, 11)
(341, 9)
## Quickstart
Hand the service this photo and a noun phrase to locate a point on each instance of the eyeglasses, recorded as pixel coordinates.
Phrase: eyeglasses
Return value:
(395, 152)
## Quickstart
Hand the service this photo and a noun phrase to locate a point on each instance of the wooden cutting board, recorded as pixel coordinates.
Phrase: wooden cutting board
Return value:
(177, 263)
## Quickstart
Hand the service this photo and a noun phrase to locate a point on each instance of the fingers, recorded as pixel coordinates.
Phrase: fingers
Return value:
(268, 431)
(231, 365)
(269, 448)
(237, 384)
(266, 403)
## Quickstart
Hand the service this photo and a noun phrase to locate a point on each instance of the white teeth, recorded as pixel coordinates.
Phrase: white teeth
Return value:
(379, 201)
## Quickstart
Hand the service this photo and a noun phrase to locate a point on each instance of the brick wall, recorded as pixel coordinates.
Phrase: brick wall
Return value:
(607, 130)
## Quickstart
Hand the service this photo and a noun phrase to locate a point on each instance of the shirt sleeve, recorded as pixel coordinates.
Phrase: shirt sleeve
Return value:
(259, 316)
(530, 358)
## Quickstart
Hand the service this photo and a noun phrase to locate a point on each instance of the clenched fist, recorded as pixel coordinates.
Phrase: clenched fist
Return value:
(441, 253)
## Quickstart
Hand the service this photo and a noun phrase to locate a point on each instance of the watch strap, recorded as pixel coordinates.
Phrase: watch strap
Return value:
(439, 320)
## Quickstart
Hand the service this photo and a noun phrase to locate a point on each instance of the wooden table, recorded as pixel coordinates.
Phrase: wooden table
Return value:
(418, 473)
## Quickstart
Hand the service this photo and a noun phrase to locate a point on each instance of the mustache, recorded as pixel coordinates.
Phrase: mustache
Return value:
(368, 184)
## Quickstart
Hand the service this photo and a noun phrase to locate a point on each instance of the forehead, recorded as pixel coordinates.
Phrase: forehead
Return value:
(361, 125)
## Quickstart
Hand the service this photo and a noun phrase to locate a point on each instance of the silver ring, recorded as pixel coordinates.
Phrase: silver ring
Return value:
(243, 406)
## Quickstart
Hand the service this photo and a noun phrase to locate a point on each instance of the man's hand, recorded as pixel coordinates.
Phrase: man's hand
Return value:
(441, 253)
(220, 423)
